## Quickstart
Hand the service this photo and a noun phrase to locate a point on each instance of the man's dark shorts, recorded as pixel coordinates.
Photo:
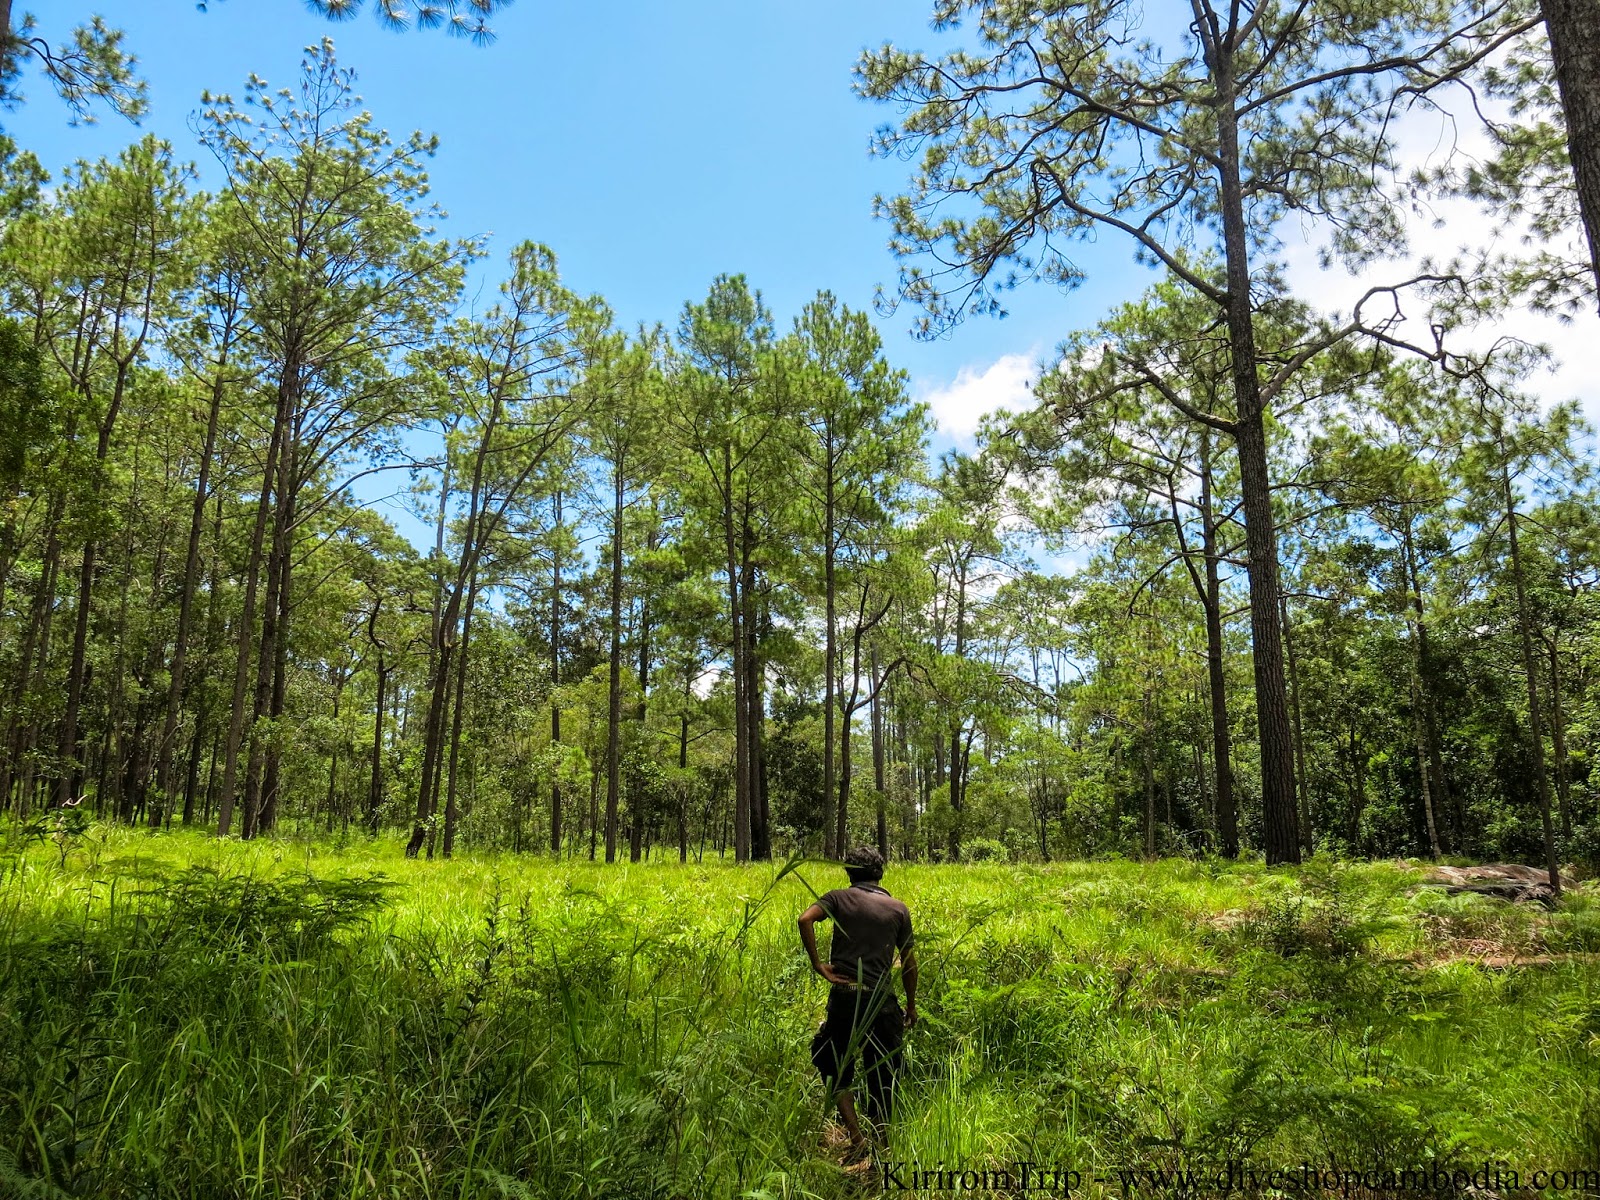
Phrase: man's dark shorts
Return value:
(868, 1023)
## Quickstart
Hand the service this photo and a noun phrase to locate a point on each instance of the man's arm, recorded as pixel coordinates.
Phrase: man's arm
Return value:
(808, 939)
(908, 975)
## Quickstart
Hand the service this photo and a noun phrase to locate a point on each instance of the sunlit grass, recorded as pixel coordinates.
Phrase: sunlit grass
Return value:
(186, 1017)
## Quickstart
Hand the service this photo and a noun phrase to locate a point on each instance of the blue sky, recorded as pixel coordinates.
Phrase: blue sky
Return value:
(651, 145)
(654, 145)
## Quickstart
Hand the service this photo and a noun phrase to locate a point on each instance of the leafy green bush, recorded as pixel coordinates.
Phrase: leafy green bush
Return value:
(980, 850)
(1582, 849)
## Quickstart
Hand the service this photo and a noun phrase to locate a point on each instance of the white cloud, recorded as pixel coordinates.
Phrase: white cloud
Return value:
(1446, 229)
(978, 390)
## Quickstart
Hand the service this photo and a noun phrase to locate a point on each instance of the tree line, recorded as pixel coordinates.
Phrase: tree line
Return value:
(699, 588)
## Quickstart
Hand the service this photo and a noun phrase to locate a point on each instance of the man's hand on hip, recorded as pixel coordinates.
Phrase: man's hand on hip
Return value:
(834, 976)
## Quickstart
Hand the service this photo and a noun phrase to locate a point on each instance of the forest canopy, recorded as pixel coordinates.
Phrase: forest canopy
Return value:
(1247, 576)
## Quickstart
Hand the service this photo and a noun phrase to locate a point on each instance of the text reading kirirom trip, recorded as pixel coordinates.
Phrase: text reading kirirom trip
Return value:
(1230, 1176)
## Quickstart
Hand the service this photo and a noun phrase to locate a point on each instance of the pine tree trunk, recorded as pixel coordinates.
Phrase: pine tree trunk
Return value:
(1149, 821)
(458, 707)
(70, 781)
(1226, 806)
(1307, 825)
(1419, 735)
(1574, 30)
(878, 780)
(594, 806)
(957, 767)
(614, 691)
(480, 527)
(202, 735)
(278, 704)
(1558, 739)
(375, 781)
(439, 642)
(191, 781)
(757, 627)
(637, 798)
(1358, 790)
(555, 677)
(834, 835)
(1280, 818)
(1535, 726)
(191, 584)
(258, 779)
(245, 635)
(1419, 699)
(846, 770)
(33, 655)
(736, 666)
(683, 774)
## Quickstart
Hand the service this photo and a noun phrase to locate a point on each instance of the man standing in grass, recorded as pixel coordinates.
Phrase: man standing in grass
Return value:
(864, 1014)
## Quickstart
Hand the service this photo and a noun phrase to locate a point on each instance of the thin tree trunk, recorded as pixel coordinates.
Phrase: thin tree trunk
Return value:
(594, 806)
(246, 632)
(1430, 707)
(1358, 796)
(1535, 726)
(278, 701)
(459, 704)
(555, 675)
(683, 774)
(32, 658)
(375, 784)
(878, 779)
(834, 839)
(71, 778)
(757, 627)
(957, 765)
(1280, 817)
(846, 767)
(636, 793)
(1558, 739)
(191, 579)
(736, 652)
(1149, 779)
(333, 757)
(267, 648)
(1227, 810)
(481, 525)
(200, 736)
(191, 782)
(614, 690)
(1419, 722)
(439, 643)
(1307, 824)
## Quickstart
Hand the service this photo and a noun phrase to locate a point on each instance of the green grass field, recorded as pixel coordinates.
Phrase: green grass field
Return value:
(182, 1017)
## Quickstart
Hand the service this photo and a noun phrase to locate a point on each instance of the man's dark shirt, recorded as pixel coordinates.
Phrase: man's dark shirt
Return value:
(869, 925)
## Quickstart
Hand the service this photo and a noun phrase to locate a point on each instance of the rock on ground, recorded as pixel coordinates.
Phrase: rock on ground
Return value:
(1509, 881)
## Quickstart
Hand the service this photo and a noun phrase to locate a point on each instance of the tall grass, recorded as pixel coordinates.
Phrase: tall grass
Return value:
(182, 1017)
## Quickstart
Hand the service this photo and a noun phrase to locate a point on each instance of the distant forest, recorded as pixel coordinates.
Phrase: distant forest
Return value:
(1247, 578)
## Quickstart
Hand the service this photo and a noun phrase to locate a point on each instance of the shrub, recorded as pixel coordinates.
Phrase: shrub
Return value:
(1582, 849)
(985, 850)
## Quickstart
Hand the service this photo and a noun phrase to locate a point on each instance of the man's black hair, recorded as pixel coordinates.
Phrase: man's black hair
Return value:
(864, 865)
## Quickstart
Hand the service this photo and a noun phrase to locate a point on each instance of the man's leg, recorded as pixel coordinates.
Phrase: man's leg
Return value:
(834, 1059)
(847, 1113)
(881, 1060)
